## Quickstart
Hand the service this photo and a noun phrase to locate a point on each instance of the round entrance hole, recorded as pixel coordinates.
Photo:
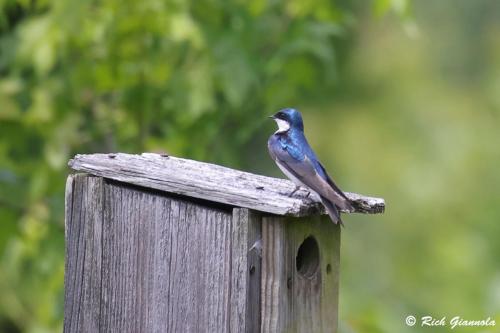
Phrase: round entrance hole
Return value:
(307, 260)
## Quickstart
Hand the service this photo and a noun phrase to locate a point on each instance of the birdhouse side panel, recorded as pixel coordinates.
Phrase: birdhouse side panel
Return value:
(140, 260)
(300, 274)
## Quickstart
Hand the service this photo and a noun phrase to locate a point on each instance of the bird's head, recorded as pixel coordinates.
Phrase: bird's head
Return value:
(288, 118)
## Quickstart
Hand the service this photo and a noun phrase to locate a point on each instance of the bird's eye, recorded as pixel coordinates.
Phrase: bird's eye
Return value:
(281, 115)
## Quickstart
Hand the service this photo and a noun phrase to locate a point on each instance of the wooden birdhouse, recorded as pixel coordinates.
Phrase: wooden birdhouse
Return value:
(156, 243)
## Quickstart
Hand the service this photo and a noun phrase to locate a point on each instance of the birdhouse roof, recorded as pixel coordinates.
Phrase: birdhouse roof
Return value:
(212, 182)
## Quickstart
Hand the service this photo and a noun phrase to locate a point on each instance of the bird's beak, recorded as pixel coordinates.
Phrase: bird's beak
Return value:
(272, 117)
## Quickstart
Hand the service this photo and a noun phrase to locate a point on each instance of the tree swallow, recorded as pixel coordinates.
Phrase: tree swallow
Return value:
(290, 150)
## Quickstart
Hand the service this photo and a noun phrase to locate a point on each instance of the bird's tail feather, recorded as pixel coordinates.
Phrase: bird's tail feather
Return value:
(332, 211)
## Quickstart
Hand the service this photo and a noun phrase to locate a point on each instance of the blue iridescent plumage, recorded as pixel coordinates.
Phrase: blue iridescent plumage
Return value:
(290, 150)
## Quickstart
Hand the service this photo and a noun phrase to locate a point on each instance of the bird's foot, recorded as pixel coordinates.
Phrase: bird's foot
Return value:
(293, 192)
(305, 196)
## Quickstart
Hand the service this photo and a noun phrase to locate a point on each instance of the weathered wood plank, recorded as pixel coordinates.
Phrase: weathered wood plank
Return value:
(127, 249)
(211, 182)
(168, 265)
(292, 301)
(84, 213)
(245, 272)
(275, 297)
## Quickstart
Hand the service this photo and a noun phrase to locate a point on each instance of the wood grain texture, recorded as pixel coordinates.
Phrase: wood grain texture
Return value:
(84, 203)
(291, 302)
(141, 261)
(246, 272)
(212, 182)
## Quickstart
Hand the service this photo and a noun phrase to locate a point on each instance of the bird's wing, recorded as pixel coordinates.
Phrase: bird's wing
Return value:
(270, 147)
(304, 171)
(336, 188)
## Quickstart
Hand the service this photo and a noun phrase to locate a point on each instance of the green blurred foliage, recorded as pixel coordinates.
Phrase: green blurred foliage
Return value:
(400, 102)
(418, 116)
